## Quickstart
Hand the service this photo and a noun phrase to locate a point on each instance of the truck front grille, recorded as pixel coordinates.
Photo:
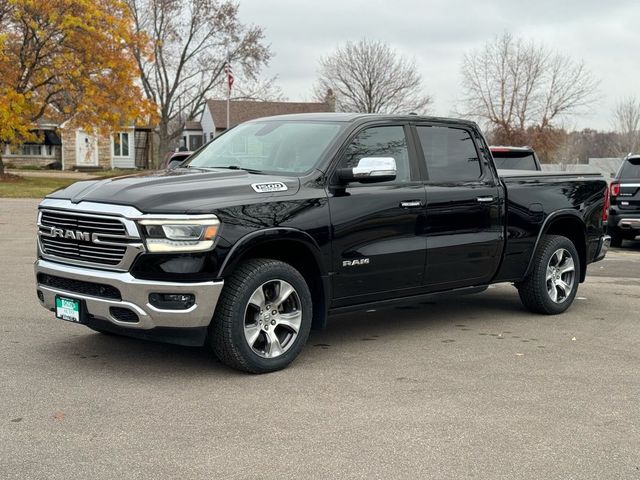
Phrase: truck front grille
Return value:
(85, 238)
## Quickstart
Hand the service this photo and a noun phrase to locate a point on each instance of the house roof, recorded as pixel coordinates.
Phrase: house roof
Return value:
(192, 125)
(243, 110)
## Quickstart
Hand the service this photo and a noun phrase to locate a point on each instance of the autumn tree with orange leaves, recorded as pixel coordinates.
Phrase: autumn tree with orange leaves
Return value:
(67, 60)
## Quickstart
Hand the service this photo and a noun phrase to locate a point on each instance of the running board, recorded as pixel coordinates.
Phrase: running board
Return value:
(393, 302)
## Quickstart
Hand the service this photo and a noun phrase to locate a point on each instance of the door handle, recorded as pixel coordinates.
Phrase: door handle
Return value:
(411, 204)
(487, 199)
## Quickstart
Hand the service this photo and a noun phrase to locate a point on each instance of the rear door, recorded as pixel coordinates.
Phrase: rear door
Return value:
(379, 247)
(464, 208)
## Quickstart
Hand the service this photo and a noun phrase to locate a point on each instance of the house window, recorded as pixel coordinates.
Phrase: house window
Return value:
(31, 150)
(195, 142)
(121, 144)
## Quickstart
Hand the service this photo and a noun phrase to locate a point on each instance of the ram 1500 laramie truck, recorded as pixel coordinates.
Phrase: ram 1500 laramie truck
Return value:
(282, 221)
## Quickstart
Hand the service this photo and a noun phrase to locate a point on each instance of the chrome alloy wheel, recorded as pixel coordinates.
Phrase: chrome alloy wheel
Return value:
(272, 318)
(561, 275)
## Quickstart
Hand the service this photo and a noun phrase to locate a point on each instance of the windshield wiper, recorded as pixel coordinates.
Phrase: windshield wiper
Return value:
(236, 167)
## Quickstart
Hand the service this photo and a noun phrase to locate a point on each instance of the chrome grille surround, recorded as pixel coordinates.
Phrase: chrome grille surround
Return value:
(108, 237)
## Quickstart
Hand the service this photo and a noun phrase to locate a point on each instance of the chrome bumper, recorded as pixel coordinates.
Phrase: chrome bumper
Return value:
(135, 296)
(629, 223)
(603, 247)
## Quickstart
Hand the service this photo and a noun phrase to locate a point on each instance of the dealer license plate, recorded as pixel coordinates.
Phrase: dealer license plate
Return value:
(68, 309)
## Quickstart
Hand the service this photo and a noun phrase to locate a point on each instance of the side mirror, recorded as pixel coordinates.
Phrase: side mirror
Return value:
(370, 170)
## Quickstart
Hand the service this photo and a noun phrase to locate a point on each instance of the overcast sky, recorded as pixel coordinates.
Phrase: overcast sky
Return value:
(605, 34)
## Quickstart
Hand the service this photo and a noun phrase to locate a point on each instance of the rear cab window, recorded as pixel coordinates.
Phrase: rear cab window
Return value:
(514, 160)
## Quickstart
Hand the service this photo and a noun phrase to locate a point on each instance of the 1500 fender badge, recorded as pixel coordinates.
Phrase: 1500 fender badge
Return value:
(355, 263)
(269, 187)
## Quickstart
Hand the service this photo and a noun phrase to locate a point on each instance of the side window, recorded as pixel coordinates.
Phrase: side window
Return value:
(380, 142)
(450, 154)
(121, 144)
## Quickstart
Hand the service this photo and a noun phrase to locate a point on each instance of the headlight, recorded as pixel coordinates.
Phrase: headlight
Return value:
(180, 235)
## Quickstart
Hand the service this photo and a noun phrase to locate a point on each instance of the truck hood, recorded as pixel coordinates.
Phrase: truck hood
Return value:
(178, 191)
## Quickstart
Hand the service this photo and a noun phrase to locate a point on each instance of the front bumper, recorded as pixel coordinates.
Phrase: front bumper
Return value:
(134, 297)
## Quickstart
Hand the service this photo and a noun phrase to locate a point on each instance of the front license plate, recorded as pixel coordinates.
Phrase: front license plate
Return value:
(68, 309)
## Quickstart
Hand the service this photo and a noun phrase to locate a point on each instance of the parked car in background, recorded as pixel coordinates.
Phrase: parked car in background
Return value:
(175, 159)
(515, 158)
(624, 213)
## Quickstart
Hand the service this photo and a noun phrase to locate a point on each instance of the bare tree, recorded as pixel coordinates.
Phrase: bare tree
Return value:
(371, 77)
(521, 88)
(192, 40)
(256, 89)
(626, 122)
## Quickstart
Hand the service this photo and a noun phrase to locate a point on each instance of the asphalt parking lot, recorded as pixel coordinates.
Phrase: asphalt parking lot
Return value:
(475, 387)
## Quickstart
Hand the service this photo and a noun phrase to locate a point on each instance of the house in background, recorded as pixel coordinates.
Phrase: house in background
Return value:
(86, 150)
(45, 151)
(71, 148)
(129, 147)
(192, 138)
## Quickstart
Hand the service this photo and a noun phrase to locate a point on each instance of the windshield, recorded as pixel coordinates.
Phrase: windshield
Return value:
(514, 160)
(631, 168)
(270, 146)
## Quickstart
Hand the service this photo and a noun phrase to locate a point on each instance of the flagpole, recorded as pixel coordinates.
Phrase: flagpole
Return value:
(228, 91)
(228, 100)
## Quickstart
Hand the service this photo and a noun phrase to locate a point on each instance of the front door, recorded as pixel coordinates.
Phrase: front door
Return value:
(464, 210)
(86, 149)
(378, 229)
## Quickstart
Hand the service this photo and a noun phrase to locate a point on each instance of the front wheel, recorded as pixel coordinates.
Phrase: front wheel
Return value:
(553, 281)
(263, 318)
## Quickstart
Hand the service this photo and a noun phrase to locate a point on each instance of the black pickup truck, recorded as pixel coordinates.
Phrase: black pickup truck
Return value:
(280, 222)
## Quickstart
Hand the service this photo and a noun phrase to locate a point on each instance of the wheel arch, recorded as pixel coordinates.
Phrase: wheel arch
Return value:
(569, 224)
(291, 246)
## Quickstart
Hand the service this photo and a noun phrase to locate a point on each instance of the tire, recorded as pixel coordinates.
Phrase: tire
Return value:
(616, 238)
(246, 335)
(537, 290)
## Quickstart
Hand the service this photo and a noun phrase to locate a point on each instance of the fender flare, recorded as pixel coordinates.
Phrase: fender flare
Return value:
(545, 227)
(273, 234)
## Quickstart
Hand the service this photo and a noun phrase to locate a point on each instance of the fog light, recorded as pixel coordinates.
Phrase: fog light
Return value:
(40, 296)
(172, 301)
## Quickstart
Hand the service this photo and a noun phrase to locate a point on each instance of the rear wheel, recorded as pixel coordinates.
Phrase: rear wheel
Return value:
(263, 318)
(552, 283)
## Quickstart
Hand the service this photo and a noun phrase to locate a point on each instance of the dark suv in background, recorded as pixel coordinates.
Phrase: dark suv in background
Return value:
(624, 214)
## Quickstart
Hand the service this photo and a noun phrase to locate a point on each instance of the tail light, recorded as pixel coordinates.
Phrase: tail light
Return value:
(607, 202)
(615, 189)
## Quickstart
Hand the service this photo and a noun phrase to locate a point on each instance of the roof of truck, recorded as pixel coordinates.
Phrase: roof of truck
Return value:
(353, 117)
